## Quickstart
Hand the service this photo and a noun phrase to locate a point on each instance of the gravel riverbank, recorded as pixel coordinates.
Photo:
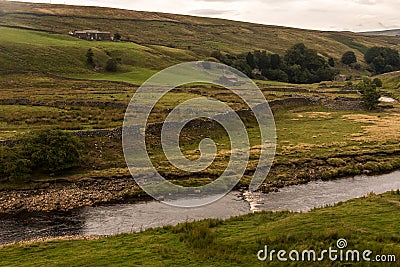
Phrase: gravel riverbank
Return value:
(62, 196)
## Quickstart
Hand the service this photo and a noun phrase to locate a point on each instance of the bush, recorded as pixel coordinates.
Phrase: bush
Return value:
(51, 151)
(331, 62)
(12, 166)
(89, 57)
(349, 58)
(370, 95)
(117, 37)
(382, 59)
(112, 65)
(378, 82)
(47, 152)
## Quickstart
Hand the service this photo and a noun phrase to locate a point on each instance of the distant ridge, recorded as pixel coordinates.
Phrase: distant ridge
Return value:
(394, 32)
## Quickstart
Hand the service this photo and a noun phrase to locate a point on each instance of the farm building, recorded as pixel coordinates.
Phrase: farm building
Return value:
(92, 35)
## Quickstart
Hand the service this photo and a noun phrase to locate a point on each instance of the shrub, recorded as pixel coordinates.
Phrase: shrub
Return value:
(370, 96)
(382, 59)
(89, 57)
(331, 62)
(51, 151)
(377, 82)
(48, 151)
(349, 58)
(117, 36)
(112, 65)
(13, 168)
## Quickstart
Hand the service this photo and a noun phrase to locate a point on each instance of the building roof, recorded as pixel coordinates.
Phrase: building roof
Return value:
(90, 31)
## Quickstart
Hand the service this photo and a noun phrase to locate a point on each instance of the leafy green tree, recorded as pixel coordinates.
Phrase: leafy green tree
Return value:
(250, 60)
(218, 55)
(264, 61)
(47, 151)
(378, 82)
(117, 37)
(370, 95)
(382, 59)
(304, 65)
(331, 62)
(13, 167)
(349, 58)
(90, 57)
(51, 151)
(112, 65)
(276, 75)
(275, 61)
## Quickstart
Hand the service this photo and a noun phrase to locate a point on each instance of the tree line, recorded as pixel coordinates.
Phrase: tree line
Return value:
(301, 64)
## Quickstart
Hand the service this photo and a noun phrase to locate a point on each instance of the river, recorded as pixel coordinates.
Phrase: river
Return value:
(126, 218)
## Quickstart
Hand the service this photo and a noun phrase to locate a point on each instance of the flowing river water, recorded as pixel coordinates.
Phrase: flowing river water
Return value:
(126, 218)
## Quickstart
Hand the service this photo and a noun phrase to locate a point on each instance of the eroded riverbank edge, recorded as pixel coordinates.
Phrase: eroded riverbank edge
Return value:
(65, 195)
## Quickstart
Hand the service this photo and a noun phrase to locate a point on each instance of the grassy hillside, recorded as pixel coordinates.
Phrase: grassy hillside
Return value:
(369, 223)
(394, 32)
(26, 50)
(391, 84)
(200, 35)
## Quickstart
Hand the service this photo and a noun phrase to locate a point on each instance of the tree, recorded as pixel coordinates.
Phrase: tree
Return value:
(13, 167)
(304, 65)
(349, 58)
(90, 57)
(264, 61)
(250, 60)
(51, 151)
(117, 37)
(382, 59)
(112, 65)
(218, 55)
(378, 82)
(370, 95)
(331, 62)
(275, 61)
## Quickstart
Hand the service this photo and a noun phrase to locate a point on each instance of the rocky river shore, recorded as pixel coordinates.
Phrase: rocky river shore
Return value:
(65, 195)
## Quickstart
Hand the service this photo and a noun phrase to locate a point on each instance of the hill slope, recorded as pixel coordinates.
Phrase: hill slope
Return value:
(201, 35)
(394, 32)
(26, 50)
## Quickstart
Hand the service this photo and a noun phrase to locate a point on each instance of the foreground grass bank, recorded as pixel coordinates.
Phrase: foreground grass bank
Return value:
(368, 223)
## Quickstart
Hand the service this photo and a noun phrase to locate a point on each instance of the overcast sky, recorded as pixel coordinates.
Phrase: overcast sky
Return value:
(353, 15)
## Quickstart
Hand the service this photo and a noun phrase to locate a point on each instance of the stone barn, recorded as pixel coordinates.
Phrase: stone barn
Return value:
(93, 35)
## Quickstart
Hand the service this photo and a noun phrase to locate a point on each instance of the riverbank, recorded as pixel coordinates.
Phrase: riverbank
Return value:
(367, 223)
(65, 195)
(313, 143)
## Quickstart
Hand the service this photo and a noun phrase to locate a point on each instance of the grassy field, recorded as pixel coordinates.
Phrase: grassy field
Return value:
(314, 142)
(25, 50)
(368, 223)
(391, 84)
